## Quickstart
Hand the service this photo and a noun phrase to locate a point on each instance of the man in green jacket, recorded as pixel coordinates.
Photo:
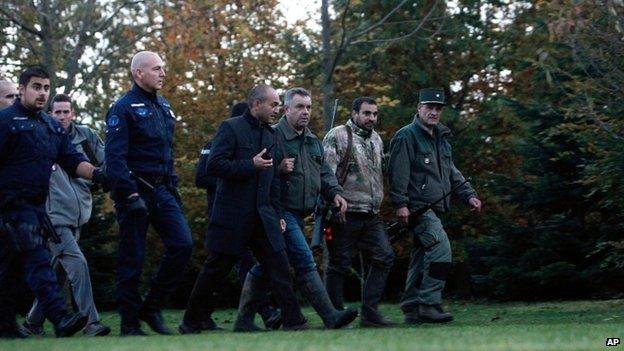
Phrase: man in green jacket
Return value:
(422, 171)
(305, 176)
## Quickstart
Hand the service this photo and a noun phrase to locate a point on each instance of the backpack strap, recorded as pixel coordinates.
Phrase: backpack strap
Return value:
(344, 163)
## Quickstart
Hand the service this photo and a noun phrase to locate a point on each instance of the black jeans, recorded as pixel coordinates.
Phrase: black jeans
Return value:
(217, 267)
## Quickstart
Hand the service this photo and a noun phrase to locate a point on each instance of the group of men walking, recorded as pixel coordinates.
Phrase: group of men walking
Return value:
(262, 181)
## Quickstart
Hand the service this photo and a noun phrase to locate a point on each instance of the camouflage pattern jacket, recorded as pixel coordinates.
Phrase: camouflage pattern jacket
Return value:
(363, 187)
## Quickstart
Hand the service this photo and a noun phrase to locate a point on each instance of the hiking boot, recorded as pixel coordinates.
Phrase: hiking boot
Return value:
(69, 325)
(13, 331)
(433, 314)
(131, 331)
(272, 317)
(32, 329)
(209, 324)
(96, 329)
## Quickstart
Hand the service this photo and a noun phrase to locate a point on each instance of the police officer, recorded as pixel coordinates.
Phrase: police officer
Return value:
(422, 171)
(30, 143)
(69, 207)
(354, 152)
(247, 210)
(270, 315)
(307, 175)
(139, 159)
(8, 93)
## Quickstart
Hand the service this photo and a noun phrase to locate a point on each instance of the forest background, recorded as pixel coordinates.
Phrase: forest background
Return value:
(535, 105)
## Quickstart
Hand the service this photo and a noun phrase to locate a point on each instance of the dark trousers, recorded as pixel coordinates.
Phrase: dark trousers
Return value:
(165, 214)
(217, 267)
(22, 248)
(365, 232)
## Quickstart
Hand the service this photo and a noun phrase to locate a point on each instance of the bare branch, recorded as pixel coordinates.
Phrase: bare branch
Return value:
(116, 12)
(416, 29)
(381, 21)
(19, 23)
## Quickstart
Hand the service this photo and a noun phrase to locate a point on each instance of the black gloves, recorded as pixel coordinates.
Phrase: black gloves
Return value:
(136, 206)
(100, 177)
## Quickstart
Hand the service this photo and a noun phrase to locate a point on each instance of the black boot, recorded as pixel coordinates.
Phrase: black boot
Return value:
(11, 330)
(271, 316)
(433, 314)
(69, 325)
(150, 313)
(373, 290)
(251, 294)
(334, 284)
(127, 330)
(312, 288)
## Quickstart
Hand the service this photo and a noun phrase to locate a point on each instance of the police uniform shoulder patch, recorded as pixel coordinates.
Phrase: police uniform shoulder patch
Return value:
(113, 121)
(142, 111)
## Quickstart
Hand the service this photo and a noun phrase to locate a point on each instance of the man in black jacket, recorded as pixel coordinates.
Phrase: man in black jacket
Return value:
(270, 315)
(246, 212)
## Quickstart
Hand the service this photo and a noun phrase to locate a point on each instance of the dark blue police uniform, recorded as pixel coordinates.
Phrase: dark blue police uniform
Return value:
(139, 139)
(30, 144)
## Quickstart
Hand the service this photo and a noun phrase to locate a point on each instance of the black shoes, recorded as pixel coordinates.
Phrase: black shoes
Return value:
(155, 320)
(96, 329)
(272, 317)
(32, 329)
(69, 325)
(131, 331)
(13, 331)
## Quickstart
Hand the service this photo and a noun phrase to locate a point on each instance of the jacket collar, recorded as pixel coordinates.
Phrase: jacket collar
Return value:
(440, 129)
(359, 131)
(143, 93)
(27, 113)
(253, 121)
(76, 134)
(289, 132)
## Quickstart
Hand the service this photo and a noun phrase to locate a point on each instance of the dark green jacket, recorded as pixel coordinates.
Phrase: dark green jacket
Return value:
(421, 168)
(311, 175)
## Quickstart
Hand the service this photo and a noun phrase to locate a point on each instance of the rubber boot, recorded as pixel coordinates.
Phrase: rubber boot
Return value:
(334, 283)
(251, 294)
(373, 290)
(312, 288)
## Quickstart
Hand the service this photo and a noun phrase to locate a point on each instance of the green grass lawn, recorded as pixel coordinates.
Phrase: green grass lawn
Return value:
(570, 325)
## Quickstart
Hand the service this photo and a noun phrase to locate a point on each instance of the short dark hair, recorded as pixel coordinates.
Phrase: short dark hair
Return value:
(290, 94)
(30, 72)
(60, 98)
(357, 103)
(258, 93)
(239, 109)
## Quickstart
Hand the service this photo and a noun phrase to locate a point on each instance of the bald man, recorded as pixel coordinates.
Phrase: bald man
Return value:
(8, 93)
(139, 159)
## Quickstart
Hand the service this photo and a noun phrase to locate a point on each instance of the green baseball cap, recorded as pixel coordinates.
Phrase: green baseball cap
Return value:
(431, 96)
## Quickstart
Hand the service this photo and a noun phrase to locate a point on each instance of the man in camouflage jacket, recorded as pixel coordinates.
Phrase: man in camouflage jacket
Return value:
(422, 171)
(363, 190)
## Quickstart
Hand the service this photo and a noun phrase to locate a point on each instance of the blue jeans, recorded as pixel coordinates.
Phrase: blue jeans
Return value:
(299, 253)
(165, 214)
